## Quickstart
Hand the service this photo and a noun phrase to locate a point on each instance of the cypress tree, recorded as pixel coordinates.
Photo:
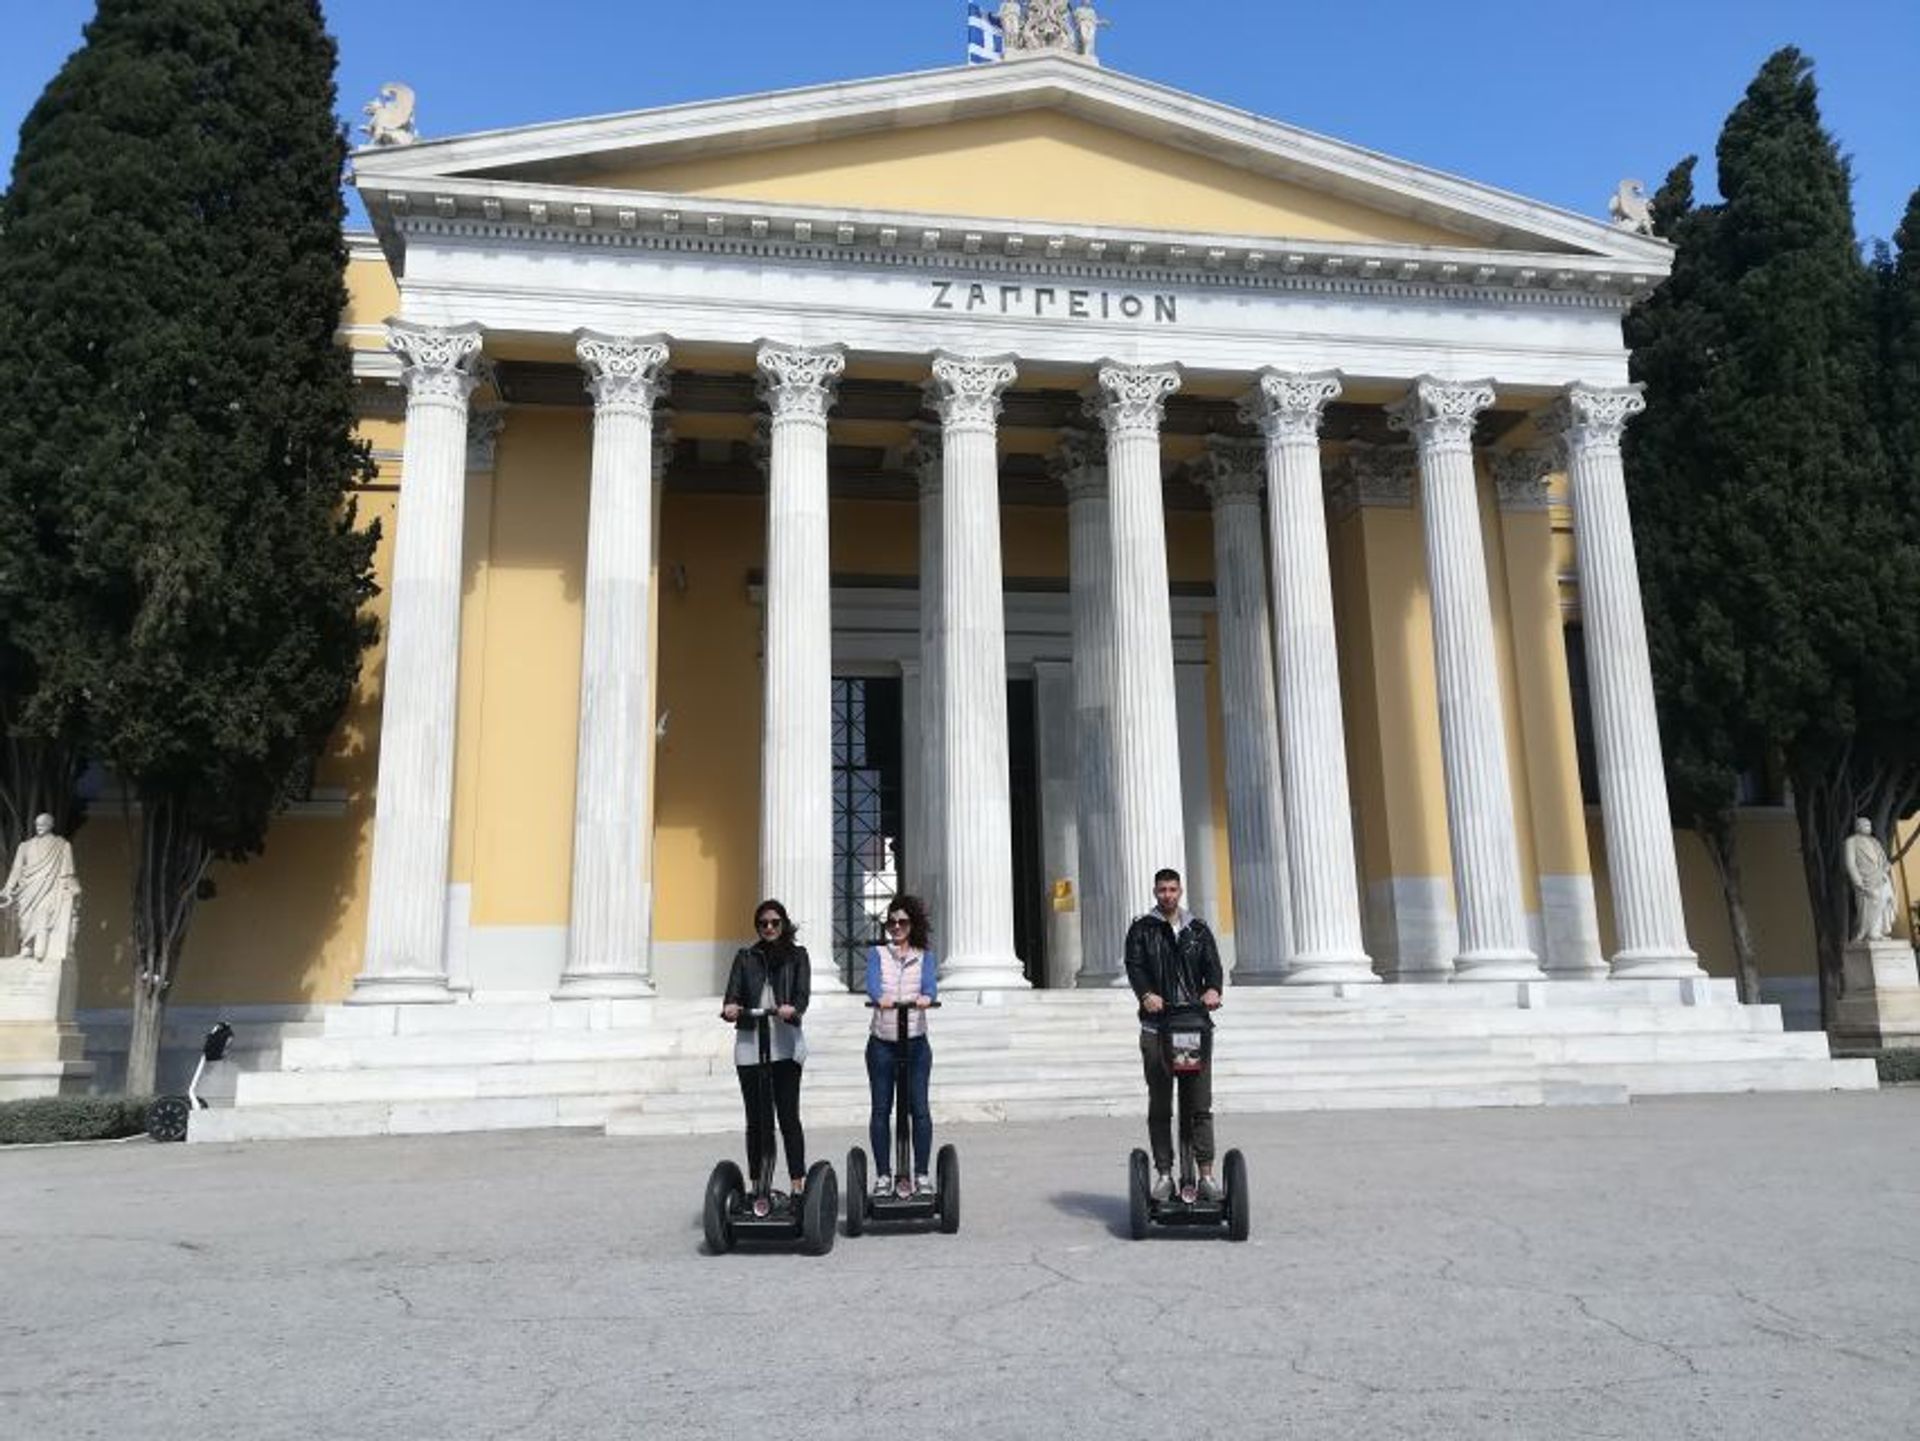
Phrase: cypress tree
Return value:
(175, 273)
(1678, 495)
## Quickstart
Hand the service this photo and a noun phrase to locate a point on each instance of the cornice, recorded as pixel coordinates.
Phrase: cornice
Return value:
(1127, 103)
(493, 214)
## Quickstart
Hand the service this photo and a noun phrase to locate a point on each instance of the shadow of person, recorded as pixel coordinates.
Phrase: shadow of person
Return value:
(1096, 1206)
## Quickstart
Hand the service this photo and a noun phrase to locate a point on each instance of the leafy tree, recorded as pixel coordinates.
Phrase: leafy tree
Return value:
(175, 268)
(1679, 496)
(1799, 630)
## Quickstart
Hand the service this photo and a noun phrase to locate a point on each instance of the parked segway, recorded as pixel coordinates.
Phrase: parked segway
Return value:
(169, 1116)
(903, 1203)
(1189, 1050)
(733, 1214)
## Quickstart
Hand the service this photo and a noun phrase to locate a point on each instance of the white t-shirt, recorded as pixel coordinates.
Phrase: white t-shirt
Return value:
(785, 1041)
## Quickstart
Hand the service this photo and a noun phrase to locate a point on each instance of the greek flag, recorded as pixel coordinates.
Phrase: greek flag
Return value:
(985, 43)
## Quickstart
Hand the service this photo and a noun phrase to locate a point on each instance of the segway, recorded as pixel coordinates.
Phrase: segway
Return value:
(169, 1116)
(732, 1214)
(903, 1203)
(1189, 1050)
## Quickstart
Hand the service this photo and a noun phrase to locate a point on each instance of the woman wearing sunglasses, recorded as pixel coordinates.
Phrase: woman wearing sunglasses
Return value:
(903, 967)
(774, 975)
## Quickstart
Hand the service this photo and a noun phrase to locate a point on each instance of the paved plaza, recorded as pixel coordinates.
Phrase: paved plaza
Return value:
(1744, 1267)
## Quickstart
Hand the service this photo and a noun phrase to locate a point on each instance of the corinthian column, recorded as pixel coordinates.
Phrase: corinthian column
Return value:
(1146, 720)
(1327, 945)
(1082, 468)
(612, 919)
(406, 957)
(1642, 871)
(796, 759)
(926, 847)
(1473, 731)
(975, 809)
(1233, 475)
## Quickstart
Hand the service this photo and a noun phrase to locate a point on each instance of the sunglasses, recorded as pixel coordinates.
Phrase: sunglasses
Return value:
(767, 923)
(899, 923)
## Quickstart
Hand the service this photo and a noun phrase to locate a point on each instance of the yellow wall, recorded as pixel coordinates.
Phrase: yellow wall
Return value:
(1042, 165)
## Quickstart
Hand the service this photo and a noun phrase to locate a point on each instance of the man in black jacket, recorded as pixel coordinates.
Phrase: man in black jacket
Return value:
(1173, 966)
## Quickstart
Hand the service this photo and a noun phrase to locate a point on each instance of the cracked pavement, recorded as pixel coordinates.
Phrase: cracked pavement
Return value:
(1742, 1267)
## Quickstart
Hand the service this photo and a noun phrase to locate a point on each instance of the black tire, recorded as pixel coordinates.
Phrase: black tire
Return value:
(1139, 1194)
(820, 1209)
(168, 1117)
(857, 1198)
(1239, 1199)
(724, 1189)
(946, 1173)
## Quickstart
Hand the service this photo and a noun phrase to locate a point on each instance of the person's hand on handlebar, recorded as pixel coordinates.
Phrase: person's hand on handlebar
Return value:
(1152, 1004)
(730, 1012)
(1211, 1000)
(785, 1013)
(920, 1003)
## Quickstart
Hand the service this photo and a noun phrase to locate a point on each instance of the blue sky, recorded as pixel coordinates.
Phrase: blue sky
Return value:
(1558, 102)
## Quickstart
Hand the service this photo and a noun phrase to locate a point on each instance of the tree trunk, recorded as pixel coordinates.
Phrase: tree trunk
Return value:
(36, 778)
(166, 887)
(1722, 846)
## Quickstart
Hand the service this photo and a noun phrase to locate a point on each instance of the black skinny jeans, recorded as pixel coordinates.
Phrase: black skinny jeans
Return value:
(786, 1102)
(1198, 1088)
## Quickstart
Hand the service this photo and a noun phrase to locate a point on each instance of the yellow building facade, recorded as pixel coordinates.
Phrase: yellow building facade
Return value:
(1079, 229)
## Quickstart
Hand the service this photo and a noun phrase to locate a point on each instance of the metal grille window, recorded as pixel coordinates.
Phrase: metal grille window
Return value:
(868, 814)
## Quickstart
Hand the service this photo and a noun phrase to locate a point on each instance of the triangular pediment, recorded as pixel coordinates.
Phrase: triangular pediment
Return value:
(1052, 141)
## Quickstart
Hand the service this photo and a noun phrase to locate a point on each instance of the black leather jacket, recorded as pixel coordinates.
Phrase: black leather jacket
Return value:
(1178, 969)
(790, 970)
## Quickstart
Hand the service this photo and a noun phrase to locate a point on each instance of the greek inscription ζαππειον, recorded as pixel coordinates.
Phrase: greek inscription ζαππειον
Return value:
(1055, 302)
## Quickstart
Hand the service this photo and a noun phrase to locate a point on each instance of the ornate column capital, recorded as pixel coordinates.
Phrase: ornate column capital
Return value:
(1290, 405)
(799, 383)
(1233, 471)
(626, 374)
(926, 457)
(1591, 418)
(1439, 414)
(1372, 476)
(1520, 477)
(1132, 399)
(483, 436)
(966, 389)
(437, 364)
(1080, 465)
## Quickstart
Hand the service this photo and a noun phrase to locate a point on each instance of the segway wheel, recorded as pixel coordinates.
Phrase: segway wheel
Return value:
(1239, 1202)
(724, 1190)
(857, 1198)
(167, 1118)
(1139, 1194)
(946, 1174)
(820, 1209)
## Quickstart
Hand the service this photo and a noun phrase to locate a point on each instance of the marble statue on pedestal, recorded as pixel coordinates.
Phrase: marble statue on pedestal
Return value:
(44, 893)
(1057, 25)
(1870, 873)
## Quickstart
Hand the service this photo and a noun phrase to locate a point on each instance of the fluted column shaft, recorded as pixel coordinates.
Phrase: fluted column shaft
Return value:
(609, 940)
(975, 807)
(1642, 870)
(1103, 910)
(1321, 876)
(1473, 733)
(796, 765)
(927, 857)
(1130, 402)
(406, 958)
(1233, 475)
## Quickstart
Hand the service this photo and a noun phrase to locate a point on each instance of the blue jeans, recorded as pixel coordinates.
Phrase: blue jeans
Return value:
(882, 1056)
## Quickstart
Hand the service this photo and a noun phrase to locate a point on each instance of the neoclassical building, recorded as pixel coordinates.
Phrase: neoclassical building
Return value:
(999, 482)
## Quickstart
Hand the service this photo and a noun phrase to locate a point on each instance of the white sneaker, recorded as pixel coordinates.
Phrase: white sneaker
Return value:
(1162, 1187)
(1210, 1189)
(922, 1186)
(883, 1185)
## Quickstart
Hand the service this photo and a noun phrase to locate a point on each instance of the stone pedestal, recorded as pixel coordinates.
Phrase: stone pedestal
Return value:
(40, 1047)
(1880, 1004)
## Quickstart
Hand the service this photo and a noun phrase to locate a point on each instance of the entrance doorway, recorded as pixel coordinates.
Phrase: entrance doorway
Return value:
(869, 819)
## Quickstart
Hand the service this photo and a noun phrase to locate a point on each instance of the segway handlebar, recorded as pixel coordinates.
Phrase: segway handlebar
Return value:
(902, 1006)
(755, 1014)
